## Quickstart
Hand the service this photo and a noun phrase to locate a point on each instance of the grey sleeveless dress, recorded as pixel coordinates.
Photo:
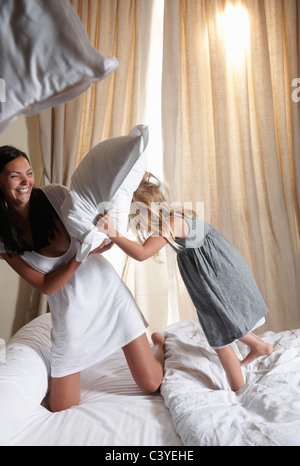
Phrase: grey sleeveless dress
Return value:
(220, 283)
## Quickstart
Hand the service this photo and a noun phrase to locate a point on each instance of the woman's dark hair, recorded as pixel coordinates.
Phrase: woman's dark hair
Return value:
(42, 214)
(8, 154)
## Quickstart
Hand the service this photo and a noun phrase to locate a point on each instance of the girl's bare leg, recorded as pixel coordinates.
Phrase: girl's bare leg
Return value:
(64, 392)
(146, 364)
(232, 367)
(257, 348)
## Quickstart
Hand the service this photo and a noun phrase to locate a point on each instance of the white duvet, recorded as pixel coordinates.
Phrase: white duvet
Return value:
(265, 412)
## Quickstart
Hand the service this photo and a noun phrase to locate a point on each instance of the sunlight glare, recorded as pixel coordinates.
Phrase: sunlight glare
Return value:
(237, 32)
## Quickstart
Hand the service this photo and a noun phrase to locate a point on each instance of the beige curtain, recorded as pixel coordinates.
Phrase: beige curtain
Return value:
(59, 138)
(112, 107)
(231, 136)
(123, 29)
(230, 129)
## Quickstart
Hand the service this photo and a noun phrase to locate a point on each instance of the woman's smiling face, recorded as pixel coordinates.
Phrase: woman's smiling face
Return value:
(16, 182)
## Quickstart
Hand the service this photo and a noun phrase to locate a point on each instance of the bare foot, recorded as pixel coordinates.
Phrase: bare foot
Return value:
(158, 339)
(158, 348)
(257, 347)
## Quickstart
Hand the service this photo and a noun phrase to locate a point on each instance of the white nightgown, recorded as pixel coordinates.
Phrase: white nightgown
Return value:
(94, 314)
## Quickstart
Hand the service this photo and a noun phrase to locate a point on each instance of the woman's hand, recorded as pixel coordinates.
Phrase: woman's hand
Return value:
(106, 245)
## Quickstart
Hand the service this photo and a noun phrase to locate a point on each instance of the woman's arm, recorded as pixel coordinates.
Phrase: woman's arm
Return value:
(137, 251)
(48, 284)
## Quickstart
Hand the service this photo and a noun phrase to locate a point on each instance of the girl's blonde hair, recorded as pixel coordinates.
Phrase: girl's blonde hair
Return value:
(150, 211)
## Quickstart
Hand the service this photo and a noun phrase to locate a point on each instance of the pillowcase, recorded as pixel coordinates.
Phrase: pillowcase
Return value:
(46, 57)
(104, 181)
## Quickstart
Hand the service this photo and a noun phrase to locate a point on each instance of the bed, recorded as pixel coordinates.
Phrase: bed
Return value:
(113, 410)
(194, 408)
(195, 405)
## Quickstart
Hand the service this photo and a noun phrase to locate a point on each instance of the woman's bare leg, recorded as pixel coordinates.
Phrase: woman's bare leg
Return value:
(64, 392)
(146, 364)
(232, 367)
(257, 348)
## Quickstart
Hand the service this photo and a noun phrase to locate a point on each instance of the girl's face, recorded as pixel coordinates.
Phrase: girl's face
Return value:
(16, 182)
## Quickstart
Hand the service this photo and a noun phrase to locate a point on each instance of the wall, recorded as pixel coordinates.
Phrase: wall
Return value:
(14, 292)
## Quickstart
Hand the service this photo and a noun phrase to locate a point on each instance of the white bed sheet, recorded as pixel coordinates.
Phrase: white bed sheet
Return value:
(113, 411)
(265, 412)
(196, 406)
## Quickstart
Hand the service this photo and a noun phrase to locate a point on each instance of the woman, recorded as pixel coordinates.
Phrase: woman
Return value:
(93, 313)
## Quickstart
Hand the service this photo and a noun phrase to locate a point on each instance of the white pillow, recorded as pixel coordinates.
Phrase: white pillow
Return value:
(24, 374)
(46, 58)
(105, 180)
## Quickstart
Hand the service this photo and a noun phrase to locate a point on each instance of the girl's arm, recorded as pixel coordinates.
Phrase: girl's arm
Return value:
(140, 252)
(47, 284)
(137, 251)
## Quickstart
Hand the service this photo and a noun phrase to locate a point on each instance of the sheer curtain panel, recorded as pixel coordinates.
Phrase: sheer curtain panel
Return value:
(231, 136)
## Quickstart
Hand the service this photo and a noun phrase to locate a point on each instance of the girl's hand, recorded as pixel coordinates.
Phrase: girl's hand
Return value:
(105, 224)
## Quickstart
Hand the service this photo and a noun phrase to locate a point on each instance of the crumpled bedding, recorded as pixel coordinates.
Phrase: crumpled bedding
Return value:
(264, 412)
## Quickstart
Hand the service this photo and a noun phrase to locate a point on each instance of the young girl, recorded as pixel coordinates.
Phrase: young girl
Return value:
(222, 288)
(93, 313)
